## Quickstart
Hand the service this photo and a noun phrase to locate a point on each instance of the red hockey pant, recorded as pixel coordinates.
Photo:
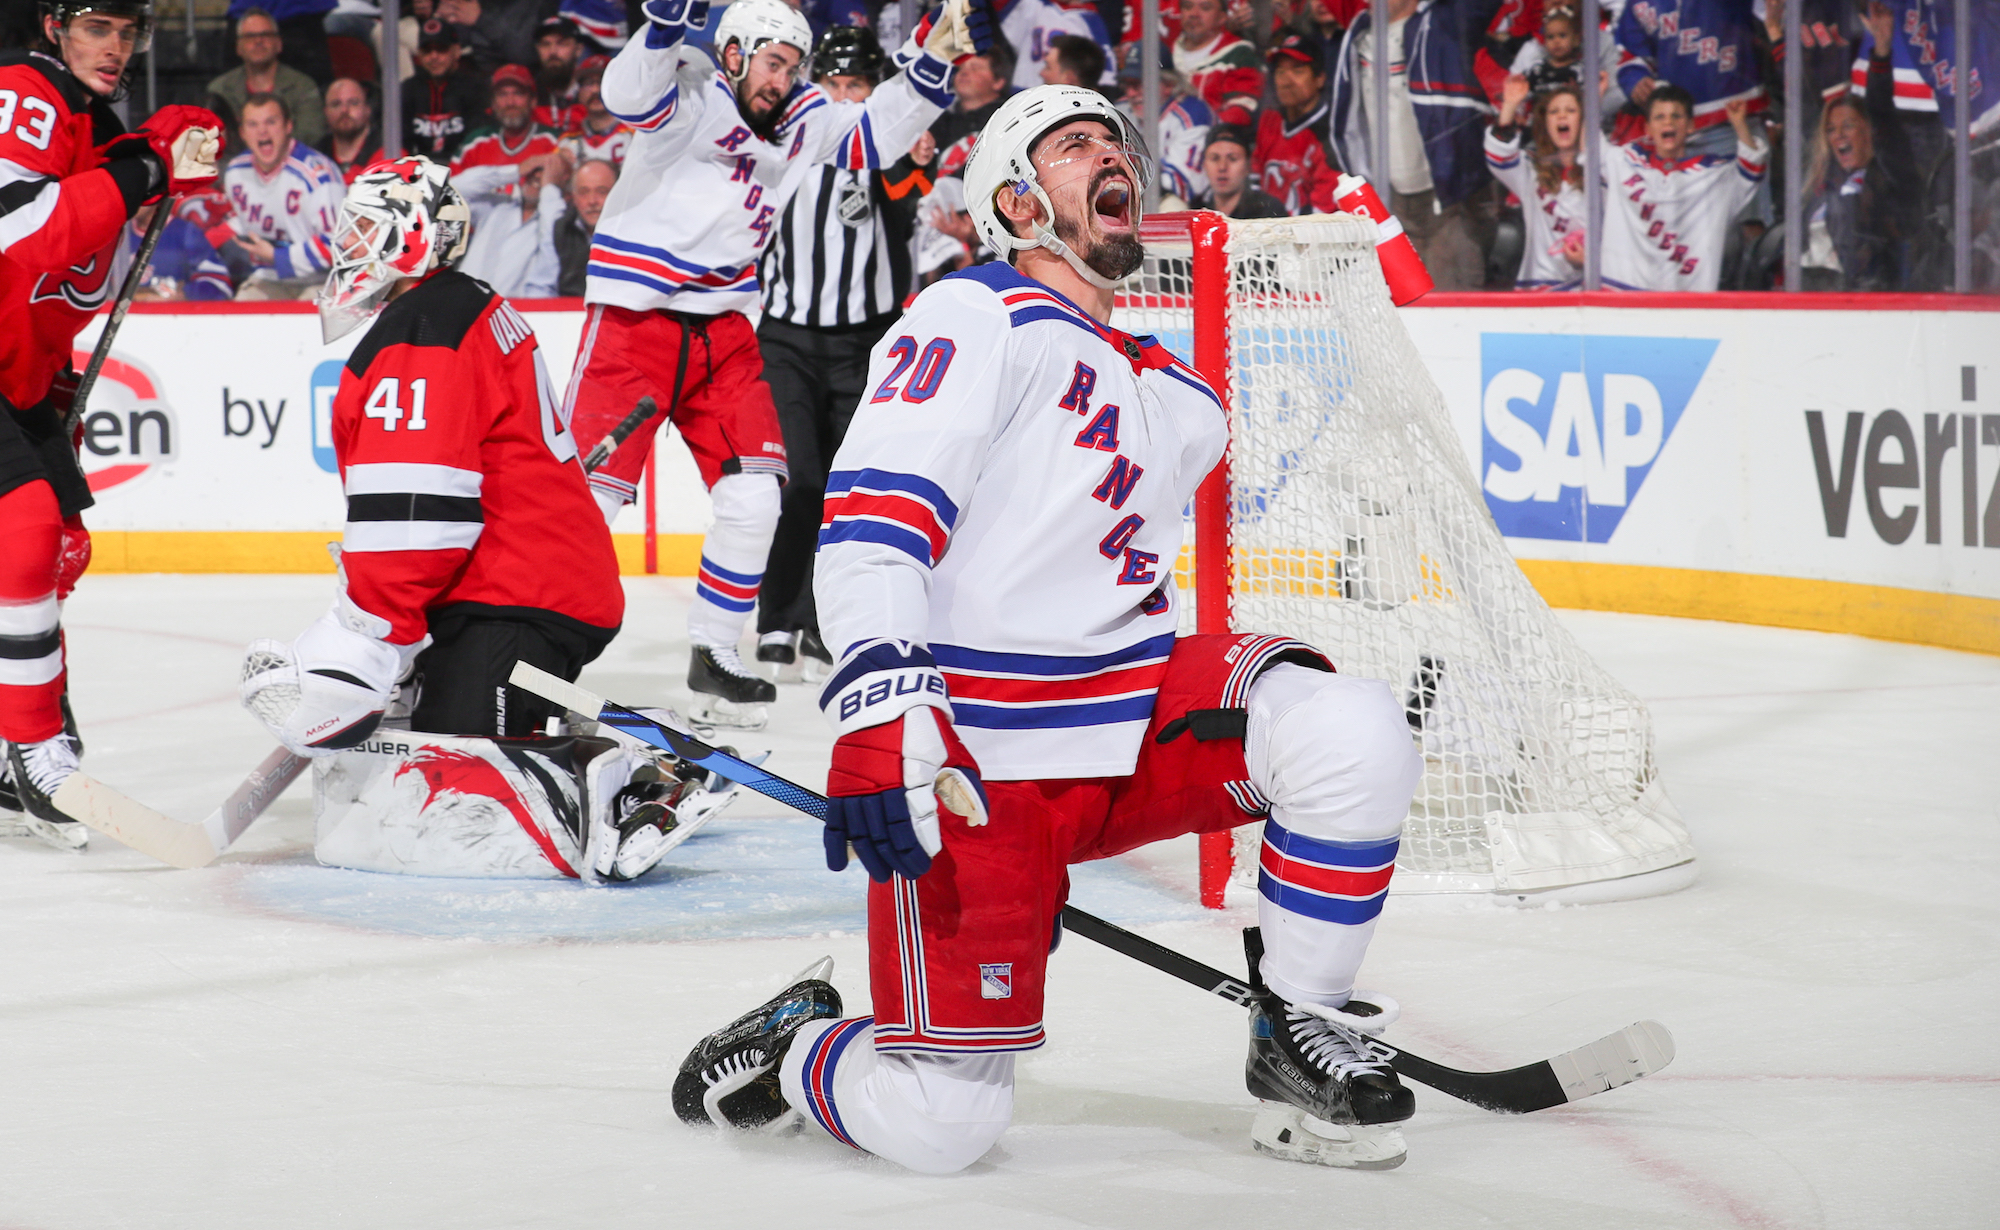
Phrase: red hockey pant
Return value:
(31, 644)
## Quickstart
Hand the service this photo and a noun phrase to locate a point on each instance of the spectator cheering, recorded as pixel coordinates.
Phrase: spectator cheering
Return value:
(1073, 60)
(352, 140)
(258, 44)
(558, 48)
(1219, 68)
(598, 134)
(1225, 160)
(1546, 176)
(1436, 120)
(1291, 160)
(1668, 212)
(589, 187)
(285, 197)
(444, 100)
(1705, 47)
(184, 265)
(1863, 191)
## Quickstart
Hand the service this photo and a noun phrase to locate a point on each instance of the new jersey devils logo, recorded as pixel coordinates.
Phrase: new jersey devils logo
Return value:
(82, 286)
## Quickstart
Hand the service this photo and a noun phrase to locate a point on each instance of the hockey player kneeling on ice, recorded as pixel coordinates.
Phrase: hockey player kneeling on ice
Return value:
(996, 563)
(471, 542)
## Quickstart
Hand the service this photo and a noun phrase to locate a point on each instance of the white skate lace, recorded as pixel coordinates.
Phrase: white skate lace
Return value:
(49, 762)
(731, 662)
(1336, 1049)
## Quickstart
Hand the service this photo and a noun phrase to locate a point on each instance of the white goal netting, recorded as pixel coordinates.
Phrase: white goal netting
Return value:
(1357, 526)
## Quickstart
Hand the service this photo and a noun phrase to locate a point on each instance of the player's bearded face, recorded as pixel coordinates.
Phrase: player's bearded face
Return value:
(768, 77)
(1090, 181)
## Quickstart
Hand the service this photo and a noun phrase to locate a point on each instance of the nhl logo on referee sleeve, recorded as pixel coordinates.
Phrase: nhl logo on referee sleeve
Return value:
(997, 981)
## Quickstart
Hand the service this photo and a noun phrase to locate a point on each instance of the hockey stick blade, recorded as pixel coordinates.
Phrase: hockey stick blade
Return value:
(173, 842)
(1616, 1059)
(1613, 1060)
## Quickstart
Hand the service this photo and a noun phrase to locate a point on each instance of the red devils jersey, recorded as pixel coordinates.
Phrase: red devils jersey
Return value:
(461, 474)
(1292, 163)
(60, 213)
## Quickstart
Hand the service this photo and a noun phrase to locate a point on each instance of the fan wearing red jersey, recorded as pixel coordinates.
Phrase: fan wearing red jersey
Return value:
(471, 540)
(70, 177)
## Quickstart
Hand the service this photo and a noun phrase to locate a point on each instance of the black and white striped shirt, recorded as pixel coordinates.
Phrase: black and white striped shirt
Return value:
(841, 252)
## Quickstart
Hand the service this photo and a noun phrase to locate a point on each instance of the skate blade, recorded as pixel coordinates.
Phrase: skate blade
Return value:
(1287, 1133)
(717, 713)
(70, 838)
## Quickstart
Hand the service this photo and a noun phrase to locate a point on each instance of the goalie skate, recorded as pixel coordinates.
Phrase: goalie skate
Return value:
(730, 1079)
(642, 820)
(726, 694)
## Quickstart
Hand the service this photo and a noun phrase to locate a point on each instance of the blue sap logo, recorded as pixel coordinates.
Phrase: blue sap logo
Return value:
(1570, 426)
(325, 383)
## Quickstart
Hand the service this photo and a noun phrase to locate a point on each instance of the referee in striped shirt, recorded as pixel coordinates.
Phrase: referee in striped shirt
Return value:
(835, 277)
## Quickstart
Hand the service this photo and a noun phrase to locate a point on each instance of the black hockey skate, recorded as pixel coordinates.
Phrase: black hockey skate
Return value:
(730, 1079)
(33, 774)
(725, 692)
(781, 648)
(810, 646)
(1328, 1099)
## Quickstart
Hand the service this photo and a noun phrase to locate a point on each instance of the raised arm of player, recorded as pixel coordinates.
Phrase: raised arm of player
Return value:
(642, 85)
(938, 398)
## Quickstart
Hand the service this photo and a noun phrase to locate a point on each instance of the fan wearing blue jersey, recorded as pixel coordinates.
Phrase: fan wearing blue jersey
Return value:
(995, 572)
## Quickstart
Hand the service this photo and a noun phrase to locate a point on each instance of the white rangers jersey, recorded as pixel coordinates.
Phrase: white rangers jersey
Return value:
(1002, 524)
(1552, 217)
(1665, 223)
(295, 208)
(694, 205)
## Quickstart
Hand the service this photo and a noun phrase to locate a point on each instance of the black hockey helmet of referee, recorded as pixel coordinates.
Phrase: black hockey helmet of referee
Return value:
(849, 51)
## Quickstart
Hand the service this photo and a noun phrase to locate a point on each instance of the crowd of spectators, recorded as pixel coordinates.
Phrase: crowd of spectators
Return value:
(1487, 148)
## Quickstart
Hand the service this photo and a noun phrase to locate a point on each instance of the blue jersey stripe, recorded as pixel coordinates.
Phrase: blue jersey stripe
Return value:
(1054, 717)
(1312, 905)
(908, 541)
(1051, 664)
(840, 482)
(1362, 854)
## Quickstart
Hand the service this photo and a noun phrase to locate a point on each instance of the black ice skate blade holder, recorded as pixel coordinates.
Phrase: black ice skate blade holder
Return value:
(1619, 1058)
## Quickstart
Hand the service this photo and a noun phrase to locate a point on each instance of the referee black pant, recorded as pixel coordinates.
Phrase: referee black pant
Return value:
(818, 378)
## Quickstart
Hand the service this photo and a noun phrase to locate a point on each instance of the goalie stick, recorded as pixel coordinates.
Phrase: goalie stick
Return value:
(176, 842)
(1613, 1060)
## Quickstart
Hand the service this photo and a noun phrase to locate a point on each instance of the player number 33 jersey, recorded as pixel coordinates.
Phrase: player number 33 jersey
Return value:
(1009, 499)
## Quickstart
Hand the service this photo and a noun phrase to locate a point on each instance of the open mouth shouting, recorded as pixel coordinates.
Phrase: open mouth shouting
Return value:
(1111, 200)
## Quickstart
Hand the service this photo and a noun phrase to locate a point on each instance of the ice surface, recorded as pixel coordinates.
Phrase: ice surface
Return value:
(272, 1044)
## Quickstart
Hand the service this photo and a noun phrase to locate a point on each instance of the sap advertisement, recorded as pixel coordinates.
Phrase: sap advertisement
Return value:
(223, 421)
(1829, 445)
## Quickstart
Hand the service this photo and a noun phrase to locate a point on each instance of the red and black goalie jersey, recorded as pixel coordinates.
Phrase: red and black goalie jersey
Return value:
(462, 478)
(61, 209)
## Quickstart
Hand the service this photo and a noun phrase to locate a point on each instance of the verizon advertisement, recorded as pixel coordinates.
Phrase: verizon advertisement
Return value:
(223, 421)
(1829, 445)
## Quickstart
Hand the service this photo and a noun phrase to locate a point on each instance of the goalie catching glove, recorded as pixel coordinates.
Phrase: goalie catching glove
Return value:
(885, 787)
(326, 691)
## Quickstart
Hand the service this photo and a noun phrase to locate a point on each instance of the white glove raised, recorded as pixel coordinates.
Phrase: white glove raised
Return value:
(323, 693)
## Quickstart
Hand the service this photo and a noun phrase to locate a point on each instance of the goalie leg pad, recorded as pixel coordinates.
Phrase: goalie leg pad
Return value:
(442, 806)
(1334, 757)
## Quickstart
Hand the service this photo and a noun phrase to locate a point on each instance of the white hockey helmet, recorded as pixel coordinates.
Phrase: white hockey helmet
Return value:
(1000, 162)
(399, 220)
(752, 23)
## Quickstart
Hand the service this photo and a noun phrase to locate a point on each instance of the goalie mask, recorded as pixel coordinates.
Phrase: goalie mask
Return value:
(750, 24)
(1000, 162)
(400, 219)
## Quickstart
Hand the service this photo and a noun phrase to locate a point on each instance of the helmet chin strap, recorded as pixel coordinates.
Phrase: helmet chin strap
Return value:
(1046, 237)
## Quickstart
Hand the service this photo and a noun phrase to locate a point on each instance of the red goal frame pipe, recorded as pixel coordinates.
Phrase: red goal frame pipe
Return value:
(1209, 233)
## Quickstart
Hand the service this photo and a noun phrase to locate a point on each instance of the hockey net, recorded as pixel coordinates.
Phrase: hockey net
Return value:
(1346, 515)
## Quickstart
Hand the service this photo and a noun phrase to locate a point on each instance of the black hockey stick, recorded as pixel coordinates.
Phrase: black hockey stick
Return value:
(133, 277)
(1613, 1060)
(602, 450)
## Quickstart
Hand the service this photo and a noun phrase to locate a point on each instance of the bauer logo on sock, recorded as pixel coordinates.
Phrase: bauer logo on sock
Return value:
(997, 981)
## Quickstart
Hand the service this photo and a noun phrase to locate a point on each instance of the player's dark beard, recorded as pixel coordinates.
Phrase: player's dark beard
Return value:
(765, 125)
(1112, 256)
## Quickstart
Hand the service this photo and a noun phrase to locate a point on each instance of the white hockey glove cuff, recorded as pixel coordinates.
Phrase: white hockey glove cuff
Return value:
(323, 693)
(957, 29)
(879, 681)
